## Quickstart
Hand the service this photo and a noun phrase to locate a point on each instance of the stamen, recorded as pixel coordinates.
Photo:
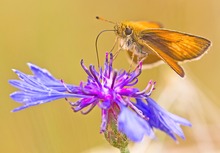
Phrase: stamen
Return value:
(113, 79)
(119, 99)
(150, 87)
(73, 103)
(85, 68)
(111, 59)
(138, 111)
(91, 67)
(139, 66)
(106, 57)
(83, 89)
(68, 90)
(134, 81)
(91, 108)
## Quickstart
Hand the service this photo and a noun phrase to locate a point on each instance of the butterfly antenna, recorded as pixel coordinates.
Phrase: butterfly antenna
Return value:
(102, 19)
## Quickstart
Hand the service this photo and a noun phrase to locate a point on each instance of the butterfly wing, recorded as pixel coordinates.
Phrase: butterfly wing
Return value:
(172, 46)
(149, 24)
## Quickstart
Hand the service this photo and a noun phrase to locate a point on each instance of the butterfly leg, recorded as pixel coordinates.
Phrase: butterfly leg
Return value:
(119, 47)
(116, 53)
(140, 55)
(131, 63)
(116, 40)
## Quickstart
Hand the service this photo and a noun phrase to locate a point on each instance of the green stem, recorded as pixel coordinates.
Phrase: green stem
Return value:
(124, 150)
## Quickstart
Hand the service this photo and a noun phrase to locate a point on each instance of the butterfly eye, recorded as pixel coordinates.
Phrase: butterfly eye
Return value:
(128, 31)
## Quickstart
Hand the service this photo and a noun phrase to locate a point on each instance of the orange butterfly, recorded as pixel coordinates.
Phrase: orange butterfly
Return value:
(150, 42)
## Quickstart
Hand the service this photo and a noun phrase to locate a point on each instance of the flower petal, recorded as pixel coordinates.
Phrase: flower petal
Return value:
(161, 119)
(133, 126)
(46, 78)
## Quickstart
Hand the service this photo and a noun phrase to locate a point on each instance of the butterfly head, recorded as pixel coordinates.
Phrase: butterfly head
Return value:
(123, 29)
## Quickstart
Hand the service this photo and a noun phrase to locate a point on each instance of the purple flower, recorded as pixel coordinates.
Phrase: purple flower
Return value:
(111, 90)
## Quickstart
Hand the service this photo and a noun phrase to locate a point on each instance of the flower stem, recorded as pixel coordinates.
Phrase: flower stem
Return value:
(124, 150)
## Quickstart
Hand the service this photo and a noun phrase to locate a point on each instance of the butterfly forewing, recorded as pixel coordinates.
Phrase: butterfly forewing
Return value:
(147, 25)
(165, 57)
(172, 46)
(177, 45)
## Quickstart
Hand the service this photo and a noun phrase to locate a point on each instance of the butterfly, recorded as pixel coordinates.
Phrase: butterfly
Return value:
(150, 43)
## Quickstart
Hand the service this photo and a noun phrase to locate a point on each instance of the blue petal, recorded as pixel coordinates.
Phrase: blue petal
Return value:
(46, 78)
(161, 119)
(35, 98)
(40, 88)
(133, 126)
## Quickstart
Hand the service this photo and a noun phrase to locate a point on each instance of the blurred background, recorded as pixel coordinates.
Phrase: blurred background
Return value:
(57, 34)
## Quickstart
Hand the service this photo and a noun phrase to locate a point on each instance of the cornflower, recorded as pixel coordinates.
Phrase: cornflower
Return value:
(127, 112)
